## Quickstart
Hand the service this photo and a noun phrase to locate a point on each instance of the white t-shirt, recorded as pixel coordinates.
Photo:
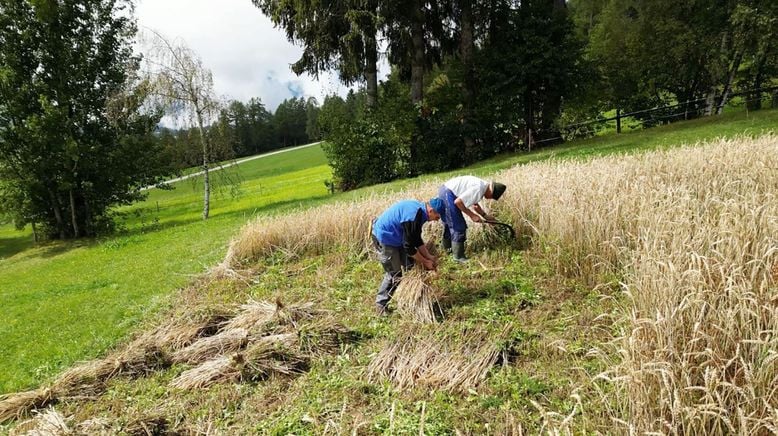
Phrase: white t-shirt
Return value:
(469, 189)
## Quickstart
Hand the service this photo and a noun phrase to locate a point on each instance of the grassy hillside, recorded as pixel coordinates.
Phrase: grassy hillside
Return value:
(75, 300)
(69, 301)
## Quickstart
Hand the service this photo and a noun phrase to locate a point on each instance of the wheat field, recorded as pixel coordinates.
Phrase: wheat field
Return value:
(691, 237)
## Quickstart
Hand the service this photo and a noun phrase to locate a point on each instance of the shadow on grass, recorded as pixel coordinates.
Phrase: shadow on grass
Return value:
(13, 245)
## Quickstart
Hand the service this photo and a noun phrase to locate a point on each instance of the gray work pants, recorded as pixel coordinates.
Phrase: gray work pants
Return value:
(394, 260)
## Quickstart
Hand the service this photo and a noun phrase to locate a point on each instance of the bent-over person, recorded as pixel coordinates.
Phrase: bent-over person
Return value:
(461, 196)
(397, 237)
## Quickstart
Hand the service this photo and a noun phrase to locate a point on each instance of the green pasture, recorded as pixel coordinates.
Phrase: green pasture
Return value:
(73, 300)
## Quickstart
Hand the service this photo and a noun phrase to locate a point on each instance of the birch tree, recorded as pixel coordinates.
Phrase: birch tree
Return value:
(185, 87)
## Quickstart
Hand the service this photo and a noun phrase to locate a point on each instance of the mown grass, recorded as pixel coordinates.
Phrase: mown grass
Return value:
(67, 301)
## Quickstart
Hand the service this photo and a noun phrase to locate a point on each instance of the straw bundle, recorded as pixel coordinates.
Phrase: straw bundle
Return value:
(268, 355)
(260, 316)
(451, 361)
(416, 298)
(284, 353)
(13, 406)
(274, 354)
(96, 427)
(87, 378)
(179, 333)
(140, 357)
(46, 423)
(220, 369)
(206, 348)
(322, 336)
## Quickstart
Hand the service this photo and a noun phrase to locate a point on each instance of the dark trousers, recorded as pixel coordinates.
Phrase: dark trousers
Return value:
(394, 260)
(454, 225)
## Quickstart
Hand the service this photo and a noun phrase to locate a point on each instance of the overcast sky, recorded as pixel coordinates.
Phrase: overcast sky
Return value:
(248, 57)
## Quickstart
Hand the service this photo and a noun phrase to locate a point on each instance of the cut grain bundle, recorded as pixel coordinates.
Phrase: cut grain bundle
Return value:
(453, 361)
(416, 297)
(206, 348)
(275, 354)
(96, 427)
(46, 423)
(218, 370)
(140, 357)
(252, 314)
(186, 329)
(268, 355)
(322, 336)
(87, 378)
(260, 316)
(13, 406)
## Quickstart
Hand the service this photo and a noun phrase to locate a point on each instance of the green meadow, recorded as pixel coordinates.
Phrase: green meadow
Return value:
(70, 301)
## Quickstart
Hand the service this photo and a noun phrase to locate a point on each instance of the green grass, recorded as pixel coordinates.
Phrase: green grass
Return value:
(68, 301)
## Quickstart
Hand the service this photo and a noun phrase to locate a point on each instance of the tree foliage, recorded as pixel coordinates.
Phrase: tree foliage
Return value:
(75, 130)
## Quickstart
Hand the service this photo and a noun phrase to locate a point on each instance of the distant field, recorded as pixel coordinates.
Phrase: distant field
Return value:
(68, 301)
(64, 302)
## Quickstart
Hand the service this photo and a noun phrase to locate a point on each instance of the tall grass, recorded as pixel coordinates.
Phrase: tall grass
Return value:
(692, 237)
(692, 234)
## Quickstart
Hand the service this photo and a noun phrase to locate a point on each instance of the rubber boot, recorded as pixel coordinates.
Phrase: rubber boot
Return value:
(458, 249)
(446, 246)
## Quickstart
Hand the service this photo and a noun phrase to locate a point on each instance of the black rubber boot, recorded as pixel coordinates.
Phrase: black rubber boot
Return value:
(446, 246)
(458, 249)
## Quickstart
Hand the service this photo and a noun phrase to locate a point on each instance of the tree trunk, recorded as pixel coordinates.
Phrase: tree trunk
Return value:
(206, 175)
(756, 96)
(417, 59)
(552, 106)
(90, 231)
(34, 232)
(73, 215)
(529, 119)
(57, 213)
(466, 49)
(371, 70)
(710, 101)
(730, 80)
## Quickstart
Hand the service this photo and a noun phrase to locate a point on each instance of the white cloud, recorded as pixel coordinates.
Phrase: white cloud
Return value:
(248, 57)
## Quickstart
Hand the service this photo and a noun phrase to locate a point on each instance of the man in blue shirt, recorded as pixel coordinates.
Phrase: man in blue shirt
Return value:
(397, 236)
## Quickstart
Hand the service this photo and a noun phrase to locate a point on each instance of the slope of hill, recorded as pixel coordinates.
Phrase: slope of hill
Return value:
(557, 288)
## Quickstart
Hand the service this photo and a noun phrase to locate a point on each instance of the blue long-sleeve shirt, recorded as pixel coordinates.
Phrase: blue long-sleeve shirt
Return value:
(400, 225)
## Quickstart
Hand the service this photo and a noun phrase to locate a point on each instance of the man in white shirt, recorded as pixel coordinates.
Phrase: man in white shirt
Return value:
(461, 196)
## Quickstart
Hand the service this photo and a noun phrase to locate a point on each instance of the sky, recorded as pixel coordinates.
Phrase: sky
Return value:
(247, 56)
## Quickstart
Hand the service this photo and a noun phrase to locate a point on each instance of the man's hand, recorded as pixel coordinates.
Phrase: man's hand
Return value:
(429, 265)
(476, 218)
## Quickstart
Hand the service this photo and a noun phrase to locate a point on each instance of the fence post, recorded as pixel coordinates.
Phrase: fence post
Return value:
(618, 120)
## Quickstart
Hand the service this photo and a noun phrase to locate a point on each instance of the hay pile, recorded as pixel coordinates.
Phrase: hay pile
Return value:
(261, 316)
(417, 298)
(46, 423)
(225, 348)
(224, 342)
(452, 361)
(284, 353)
(13, 406)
